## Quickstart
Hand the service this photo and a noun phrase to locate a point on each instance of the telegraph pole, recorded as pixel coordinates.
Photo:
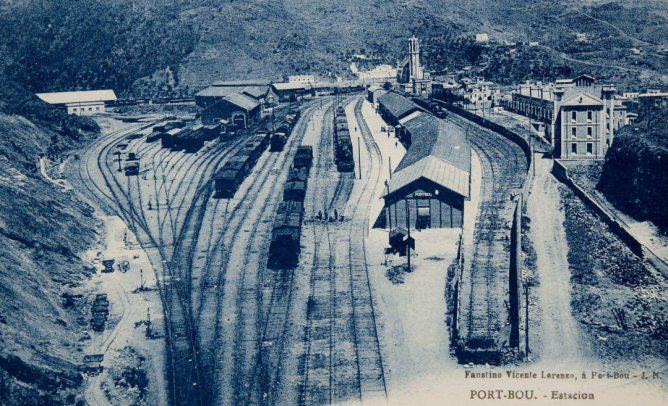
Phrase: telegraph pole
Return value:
(526, 321)
(408, 228)
(389, 208)
(359, 156)
(119, 161)
(390, 167)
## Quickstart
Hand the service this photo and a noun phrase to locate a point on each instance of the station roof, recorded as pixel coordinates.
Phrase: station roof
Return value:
(218, 91)
(242, 101)
(397, 105)
(439, 152)
(241, 83)
(290, 86)
(256, 91)
(87, 96)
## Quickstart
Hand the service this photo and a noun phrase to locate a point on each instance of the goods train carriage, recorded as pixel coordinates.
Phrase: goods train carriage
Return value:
(211, 131)
(285, 236)
(168, 137)
(278, 141)
(230, 176)
(154, 136)
(341, 127)
(304, 157)
(298, 174)
(294, 190)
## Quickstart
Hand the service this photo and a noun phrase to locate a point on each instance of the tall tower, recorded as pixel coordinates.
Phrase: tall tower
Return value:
(414, 53)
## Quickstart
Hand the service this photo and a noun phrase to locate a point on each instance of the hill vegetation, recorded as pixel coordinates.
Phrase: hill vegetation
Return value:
(635, 171)
(148, 47)
(42, 315)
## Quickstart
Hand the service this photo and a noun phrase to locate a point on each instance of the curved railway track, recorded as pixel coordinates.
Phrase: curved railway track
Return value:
(504, 172)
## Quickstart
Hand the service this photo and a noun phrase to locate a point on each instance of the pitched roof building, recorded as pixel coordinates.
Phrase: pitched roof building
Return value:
(433, 178)
(82, 103)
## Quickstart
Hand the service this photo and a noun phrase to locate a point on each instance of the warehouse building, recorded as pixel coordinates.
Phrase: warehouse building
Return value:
(84, 103)
(236, 108)
(292, 92)
(432, 180)
(262, 94)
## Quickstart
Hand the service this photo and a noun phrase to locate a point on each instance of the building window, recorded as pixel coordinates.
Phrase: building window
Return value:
(590, 116)
(589, 132)
(74, 110)
(590, 148)
(607, 114)
(573, 132)
(574, 148)
(90, 109)
(607, 127)
(97, 109)
(574, 116)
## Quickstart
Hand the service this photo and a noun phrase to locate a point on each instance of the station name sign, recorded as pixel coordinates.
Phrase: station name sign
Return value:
(422, 195)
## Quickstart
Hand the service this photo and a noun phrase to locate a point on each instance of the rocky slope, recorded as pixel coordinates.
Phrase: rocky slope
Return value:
(43, 311)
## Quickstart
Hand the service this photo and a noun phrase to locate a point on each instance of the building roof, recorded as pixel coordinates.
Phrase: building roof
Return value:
(78, 97)
(582, 99)
(242, 101)
(653, 95)
(290, 86)
(439, 152)
(256, 92)
(397, 105)
(242, 83)
(217, 91)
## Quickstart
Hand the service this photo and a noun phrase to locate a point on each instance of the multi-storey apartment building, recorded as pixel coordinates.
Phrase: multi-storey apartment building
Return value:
(577, 116)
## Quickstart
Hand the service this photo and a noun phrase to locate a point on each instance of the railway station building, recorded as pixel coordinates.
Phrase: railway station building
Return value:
(429, 187)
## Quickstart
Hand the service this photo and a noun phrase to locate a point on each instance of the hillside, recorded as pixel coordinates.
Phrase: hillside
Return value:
(41, 231)
(635, 172)
(145, 47)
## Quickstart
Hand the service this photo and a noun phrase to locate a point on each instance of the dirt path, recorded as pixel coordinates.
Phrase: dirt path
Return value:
(558, 340)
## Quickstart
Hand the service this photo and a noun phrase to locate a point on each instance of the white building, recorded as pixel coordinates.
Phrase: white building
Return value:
(481, 38)
(301, 79)
(84, 103)
(379, 74)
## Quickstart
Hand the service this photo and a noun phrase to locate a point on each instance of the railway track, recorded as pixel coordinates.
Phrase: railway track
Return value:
(180, 334)
(342, 360)
(504, 171)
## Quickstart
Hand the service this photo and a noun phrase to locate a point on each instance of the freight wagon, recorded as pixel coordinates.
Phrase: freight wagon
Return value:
(285, 236)
(299, 174)
(294, 190)
(232, 174)
(154, 136)
(304, 157)
(168, 137)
